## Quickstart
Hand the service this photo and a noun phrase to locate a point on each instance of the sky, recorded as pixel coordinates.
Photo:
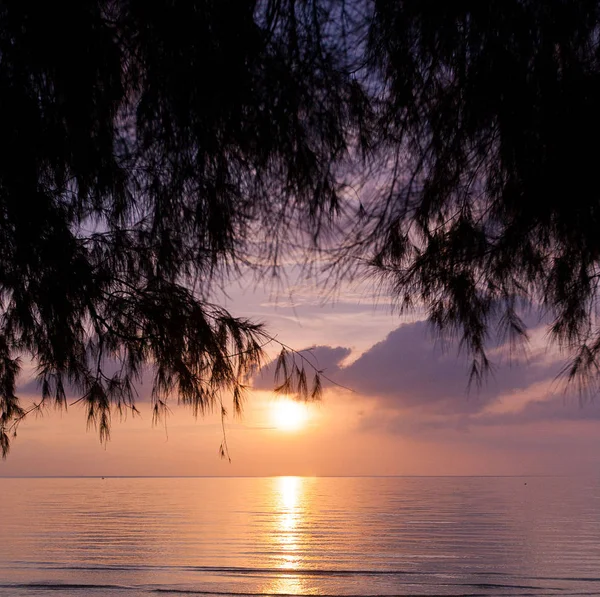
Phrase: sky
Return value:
(404, 408)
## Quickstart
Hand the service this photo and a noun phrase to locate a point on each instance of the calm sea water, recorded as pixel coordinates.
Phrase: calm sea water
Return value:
(293, 535)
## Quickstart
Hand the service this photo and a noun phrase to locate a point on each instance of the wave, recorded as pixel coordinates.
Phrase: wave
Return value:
(65, 587)
(188, 592)
(416, 583)
(333, 572)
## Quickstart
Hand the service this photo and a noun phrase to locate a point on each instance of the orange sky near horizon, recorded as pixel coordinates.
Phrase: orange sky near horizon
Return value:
(409, 414)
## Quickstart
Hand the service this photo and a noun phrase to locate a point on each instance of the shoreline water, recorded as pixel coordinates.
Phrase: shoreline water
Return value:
(334, 536)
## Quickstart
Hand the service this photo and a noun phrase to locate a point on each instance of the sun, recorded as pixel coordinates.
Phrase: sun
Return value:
(288, 415)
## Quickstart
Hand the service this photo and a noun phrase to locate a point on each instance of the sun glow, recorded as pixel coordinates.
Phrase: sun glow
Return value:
(288, 415)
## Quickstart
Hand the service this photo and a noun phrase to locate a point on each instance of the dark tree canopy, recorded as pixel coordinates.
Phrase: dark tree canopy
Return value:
(149, 149)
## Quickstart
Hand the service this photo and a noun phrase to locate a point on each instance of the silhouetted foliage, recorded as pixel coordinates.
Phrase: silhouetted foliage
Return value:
(488, 200)
(143, 145)
(150, 148)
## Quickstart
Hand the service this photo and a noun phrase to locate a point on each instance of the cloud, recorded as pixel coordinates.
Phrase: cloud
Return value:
(413, 385)
(323, 358)
(557, 408)
(407, 369)
(560, 410)
(29, 385)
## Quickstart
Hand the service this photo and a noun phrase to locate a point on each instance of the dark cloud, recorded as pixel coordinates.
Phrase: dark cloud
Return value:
(408, 370)
(419, 388)
(31, 386)
(323, 358)
(416, 384)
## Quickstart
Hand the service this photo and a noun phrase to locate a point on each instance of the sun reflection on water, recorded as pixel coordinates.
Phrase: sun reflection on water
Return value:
(289, 489)
(288, 508)
(289, 516)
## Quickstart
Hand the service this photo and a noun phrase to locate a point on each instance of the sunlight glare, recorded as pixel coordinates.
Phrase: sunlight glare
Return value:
(288, 415)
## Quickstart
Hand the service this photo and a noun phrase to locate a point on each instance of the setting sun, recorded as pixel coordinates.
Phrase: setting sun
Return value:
(288, 415)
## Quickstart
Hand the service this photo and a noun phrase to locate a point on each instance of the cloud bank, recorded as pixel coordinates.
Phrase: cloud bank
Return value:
(414, 384)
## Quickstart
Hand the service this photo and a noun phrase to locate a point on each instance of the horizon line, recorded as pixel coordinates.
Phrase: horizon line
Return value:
(516, 476)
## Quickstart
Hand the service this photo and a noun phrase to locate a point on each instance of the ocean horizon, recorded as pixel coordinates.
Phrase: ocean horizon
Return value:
(574, 475)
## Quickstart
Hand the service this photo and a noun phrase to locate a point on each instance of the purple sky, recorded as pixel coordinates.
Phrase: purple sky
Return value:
(409, 411)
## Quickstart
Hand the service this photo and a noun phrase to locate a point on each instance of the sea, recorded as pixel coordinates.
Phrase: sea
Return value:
(135, 537)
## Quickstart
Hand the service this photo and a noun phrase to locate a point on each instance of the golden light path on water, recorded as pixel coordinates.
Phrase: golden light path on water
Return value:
(301, 536)
(287, 502)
